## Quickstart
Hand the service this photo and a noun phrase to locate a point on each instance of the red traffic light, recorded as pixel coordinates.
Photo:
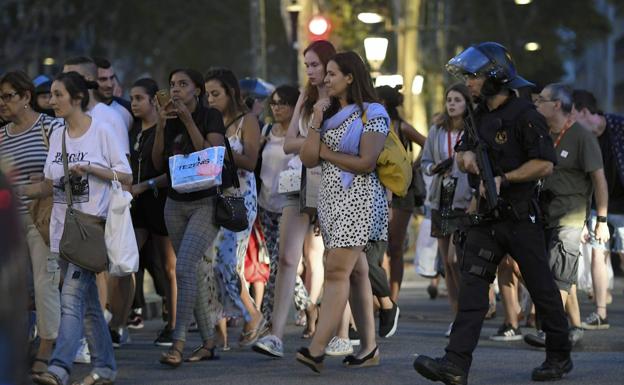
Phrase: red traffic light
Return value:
(319, 27)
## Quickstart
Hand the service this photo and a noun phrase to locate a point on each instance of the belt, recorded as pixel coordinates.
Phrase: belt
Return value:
(506, 210)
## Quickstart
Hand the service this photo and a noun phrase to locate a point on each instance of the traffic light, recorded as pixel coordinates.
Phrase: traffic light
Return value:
(319, 28)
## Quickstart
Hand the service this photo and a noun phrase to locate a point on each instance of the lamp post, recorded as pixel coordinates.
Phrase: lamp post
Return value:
(375, 49)
(293, 9)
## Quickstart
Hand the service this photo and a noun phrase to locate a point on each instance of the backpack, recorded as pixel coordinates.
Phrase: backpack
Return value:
(394, 165)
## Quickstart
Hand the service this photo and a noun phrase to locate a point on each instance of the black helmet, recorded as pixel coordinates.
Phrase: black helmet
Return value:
(489, 59)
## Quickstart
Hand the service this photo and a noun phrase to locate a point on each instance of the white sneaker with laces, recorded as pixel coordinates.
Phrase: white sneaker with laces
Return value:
(269, 345)
(83, 356)
(339, 347)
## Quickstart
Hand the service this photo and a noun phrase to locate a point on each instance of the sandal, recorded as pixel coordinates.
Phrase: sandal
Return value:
(47, 378)
(371, 359)
(250, 337)
(312, 317)
(39, 360)
(95, 380)
(203, 354)
(312, 362)
(172, 357)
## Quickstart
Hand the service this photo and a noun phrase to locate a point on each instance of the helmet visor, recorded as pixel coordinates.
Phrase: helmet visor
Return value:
(470, 61)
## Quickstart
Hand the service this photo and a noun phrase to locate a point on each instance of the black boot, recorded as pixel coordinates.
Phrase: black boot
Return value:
(440, 369)
(552, 370)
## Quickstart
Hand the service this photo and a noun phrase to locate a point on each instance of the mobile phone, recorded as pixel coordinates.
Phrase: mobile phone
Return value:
(163, 97)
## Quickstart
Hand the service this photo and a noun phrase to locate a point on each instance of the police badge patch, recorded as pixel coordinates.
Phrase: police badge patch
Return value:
(501, 137)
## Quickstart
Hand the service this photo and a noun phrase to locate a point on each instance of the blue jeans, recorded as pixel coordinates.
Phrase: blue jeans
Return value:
(80, 306)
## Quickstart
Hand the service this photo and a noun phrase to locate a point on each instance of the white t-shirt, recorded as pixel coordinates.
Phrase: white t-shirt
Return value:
(90, 194)
(116, 124)
(274, 161)
(125, 114)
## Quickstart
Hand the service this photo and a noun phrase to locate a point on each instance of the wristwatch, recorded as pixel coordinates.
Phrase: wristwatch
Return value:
(601, 219)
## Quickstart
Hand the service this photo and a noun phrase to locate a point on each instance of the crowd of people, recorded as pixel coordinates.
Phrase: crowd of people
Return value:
(324, 231)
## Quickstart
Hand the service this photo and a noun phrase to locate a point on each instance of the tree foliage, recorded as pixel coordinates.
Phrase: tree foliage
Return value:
(561, 27)
(141, 37)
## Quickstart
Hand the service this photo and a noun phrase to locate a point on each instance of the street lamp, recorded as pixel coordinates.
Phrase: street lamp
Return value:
(370, 17)
(417, 84)
(532, 46)
(294, 8)
(375, 49)
(522, 2)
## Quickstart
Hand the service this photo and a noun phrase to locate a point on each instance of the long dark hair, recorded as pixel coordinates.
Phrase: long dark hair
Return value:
(77, 87)
(444, 120)
(325, 51)
(392, 100)
(361, 89)
(196, 78)
(148, 84)
(230, 84)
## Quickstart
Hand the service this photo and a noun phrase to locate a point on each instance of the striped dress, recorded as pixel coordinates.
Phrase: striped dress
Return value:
(26, 152)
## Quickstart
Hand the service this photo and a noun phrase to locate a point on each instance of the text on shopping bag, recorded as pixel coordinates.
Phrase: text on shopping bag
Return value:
(197, 171)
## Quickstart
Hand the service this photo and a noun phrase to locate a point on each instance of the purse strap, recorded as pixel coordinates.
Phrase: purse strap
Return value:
(228, 148)
(68, 192)
(44, 135)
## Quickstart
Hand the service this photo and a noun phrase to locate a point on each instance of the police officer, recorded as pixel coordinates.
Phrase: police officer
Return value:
(521, 152)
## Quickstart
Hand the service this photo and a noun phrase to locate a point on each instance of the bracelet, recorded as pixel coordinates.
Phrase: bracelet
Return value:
(601, 219)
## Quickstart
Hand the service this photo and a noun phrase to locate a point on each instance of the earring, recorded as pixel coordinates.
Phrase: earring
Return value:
(26, 106)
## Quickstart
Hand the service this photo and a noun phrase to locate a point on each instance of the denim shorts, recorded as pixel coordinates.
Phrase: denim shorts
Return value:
(616, 229)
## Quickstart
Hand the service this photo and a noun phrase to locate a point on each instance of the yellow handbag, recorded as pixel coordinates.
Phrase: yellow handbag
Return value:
(394, 164)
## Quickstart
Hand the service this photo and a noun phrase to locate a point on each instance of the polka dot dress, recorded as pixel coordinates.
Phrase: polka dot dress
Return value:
(354, 216)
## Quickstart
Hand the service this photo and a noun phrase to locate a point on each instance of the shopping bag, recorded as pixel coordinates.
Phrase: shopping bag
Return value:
(310, 184)
(197, 171)
(425, 260)
(121, 243)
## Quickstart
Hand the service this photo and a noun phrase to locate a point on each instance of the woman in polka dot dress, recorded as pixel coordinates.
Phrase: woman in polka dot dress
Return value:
(353, 209)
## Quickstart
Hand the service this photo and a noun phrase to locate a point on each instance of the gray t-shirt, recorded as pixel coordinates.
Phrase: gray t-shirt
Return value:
(570, 185)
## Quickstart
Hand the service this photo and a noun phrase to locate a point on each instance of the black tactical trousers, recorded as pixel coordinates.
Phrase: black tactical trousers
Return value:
(484, 248)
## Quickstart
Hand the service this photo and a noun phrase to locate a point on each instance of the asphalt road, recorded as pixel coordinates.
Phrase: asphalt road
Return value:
(598, 360)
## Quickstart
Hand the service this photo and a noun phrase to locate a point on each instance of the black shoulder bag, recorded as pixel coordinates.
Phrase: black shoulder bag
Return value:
(230, 211)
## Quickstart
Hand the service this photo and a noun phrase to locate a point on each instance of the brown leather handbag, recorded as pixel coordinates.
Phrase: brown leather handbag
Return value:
(41, 209)
(82, 242)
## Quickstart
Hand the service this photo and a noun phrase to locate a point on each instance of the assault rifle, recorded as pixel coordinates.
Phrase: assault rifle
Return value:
(486, 173)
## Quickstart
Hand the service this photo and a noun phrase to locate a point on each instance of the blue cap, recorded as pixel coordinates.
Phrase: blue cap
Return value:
(40, 80)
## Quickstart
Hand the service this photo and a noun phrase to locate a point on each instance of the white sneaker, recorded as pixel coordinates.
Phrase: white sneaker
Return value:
(83, 356)
(448, 332)
(269, 345)
(339, 347)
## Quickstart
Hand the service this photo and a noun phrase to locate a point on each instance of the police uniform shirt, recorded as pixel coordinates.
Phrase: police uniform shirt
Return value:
(514, 133)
